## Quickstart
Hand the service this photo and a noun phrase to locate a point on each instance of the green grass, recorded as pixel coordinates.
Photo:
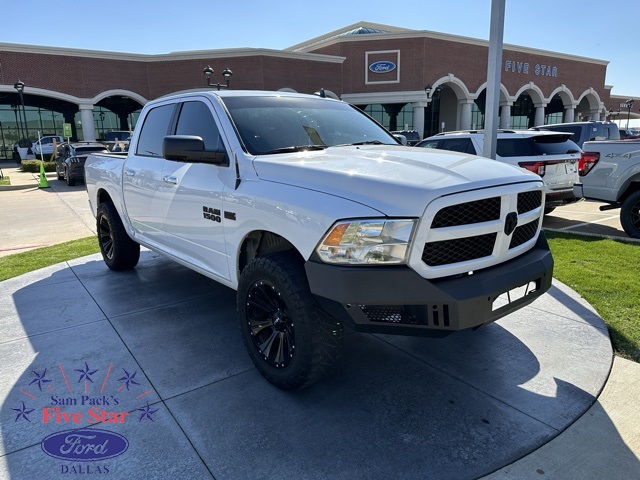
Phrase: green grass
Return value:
(19, 263)
(5, 181)
(605, 273)
(602, 271)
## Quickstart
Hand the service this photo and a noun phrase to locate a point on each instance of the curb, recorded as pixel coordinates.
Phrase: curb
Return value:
(6, 188)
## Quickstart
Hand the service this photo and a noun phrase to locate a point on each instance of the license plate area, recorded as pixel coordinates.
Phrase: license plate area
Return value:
(513, 295)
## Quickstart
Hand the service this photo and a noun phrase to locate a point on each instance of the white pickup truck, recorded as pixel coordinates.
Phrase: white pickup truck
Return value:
(610, 172)
(317, 216)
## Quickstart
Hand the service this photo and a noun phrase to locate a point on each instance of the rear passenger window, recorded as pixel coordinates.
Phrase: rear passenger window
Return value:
(429, 144)
(154, 129)
(196, 119)
(514, 147)
(462, 145)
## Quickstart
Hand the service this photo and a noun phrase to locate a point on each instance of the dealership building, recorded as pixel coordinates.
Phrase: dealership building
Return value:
(406, 79)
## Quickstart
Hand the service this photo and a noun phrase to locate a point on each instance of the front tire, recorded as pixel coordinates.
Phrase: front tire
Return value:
(290, 339)
(630, 215)
(118, 250)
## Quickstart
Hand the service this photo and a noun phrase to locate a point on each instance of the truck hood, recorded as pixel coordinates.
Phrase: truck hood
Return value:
(396, 181)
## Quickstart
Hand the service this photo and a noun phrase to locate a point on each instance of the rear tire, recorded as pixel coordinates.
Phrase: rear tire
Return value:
(118, 250)
(630, 215)
(70, 181)
(290, 339)
(58, 174)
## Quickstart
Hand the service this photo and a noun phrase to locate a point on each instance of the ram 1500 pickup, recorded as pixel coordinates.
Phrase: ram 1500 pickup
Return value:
(610, 172)
(318, 217)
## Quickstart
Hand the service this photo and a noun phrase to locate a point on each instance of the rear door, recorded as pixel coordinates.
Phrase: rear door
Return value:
(142, 176)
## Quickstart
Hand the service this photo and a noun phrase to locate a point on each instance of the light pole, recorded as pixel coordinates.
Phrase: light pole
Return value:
(226, 73)
(629, 105)
(613, 112)
(436, 94)
(101, 124)
(19, 86)
(4, 147)
(18, 122)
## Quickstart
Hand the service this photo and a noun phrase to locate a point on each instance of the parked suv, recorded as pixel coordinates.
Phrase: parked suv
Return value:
(70, 160)
(551, 155)
(585, 131)
(44, 146)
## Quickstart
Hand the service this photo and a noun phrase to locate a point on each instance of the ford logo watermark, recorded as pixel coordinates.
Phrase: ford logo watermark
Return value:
(382, 67)
(85, 445)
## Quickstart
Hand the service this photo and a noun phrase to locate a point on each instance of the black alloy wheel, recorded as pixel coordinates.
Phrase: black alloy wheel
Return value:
(119, 252)
(271, 327)
(291, 340)
(630, 215)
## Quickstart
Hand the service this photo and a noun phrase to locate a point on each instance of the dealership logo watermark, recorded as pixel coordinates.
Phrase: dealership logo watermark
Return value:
(84, 398)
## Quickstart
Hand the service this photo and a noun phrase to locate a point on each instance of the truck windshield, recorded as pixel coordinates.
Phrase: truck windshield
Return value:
(287, 124)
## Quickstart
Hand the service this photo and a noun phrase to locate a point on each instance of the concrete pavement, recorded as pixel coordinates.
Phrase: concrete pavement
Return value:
(53, 215)
(531, 396)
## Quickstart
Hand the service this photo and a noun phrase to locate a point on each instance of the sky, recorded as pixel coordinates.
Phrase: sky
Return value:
(586, 28)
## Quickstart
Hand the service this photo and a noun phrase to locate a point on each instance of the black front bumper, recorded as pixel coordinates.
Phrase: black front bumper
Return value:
(398, 300)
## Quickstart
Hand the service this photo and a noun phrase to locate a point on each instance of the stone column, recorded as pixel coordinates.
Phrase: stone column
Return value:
(539, 120)
(505, 115)
(88, 127)
(569, 114)
(465, 114)
(418, 118)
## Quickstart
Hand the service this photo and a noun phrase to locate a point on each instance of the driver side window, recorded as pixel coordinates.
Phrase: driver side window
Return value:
(196, 119)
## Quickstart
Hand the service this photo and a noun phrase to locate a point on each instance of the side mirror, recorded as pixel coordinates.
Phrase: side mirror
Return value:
(190, 148)
(402, 139)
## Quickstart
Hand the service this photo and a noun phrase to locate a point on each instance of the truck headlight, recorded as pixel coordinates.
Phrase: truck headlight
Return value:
(376, 241)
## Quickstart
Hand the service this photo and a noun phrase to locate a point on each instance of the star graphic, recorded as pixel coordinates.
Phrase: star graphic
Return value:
(128, 378)
(40, 378)
(23, 412)
(85, 374)
(146, 412)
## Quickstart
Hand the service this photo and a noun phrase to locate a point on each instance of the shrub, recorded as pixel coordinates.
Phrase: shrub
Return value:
(34, 166)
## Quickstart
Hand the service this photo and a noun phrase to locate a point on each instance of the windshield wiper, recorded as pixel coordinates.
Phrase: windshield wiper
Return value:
(367, 142)
(296, 148)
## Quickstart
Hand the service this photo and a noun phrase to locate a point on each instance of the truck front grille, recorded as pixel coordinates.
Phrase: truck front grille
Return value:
(423, 315)
(458, 250)
(468, 213)
(528, 201)
(477, 229)
(523, 234)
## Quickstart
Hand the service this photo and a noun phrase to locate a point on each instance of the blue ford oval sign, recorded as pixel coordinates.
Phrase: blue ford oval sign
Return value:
(382, 67)
(85, 445)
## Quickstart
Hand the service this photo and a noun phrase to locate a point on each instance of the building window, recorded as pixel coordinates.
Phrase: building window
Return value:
(477, 117)
(403, 117)
(522, 112)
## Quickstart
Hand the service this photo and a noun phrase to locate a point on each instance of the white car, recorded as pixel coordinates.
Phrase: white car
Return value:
(44, 146)
(551, 155)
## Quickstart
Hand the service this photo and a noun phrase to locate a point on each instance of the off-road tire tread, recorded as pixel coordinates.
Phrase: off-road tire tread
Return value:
(626, 215)
(126, 251)
(318, 336)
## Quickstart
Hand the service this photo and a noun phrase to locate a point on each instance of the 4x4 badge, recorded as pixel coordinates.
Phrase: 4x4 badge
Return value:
(510, 223)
